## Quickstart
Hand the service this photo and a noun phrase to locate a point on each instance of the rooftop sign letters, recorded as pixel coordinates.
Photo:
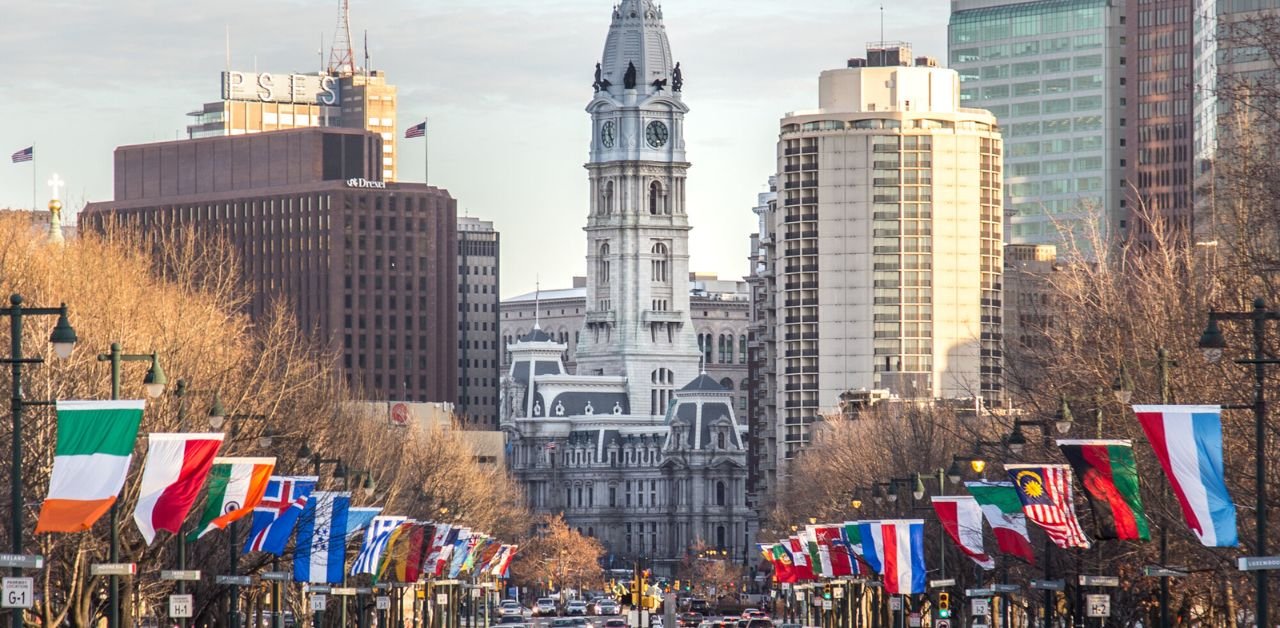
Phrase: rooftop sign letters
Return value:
(309, 89)
(365, 183)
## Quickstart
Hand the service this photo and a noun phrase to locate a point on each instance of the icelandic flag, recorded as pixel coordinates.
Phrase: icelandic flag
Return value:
(321, 548)
(276, 515)
(903, 556)
(375, 541)
(1188, 442)
(872, 544)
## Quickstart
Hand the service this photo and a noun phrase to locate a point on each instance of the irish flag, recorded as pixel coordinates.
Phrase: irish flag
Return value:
(177, 465)
(236, 486)
(1003, 510)
(91, 460)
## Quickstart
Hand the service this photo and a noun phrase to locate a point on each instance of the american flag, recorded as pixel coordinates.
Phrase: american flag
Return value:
(1047, 498)
(417, 130)
(26, 154)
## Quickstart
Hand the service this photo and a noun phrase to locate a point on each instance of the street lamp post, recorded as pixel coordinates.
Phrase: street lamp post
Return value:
(216, 418)
(154, 383)
(216, 415)
(339, 472)
(1212, 342)
(63, 339)
(1123, 388)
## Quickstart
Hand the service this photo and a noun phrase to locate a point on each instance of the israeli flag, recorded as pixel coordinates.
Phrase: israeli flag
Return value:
(376, 537)
(321, 546)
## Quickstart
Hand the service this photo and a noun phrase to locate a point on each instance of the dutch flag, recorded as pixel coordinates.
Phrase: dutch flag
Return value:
(1188, 442)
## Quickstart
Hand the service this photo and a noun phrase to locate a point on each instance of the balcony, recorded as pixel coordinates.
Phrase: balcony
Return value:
(655, 316)
(598, 317)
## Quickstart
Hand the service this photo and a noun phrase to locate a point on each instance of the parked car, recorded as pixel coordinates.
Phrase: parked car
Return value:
(576, 607)
(544, 606)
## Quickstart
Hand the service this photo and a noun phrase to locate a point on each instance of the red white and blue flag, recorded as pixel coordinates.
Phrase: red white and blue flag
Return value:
(277, 514)
(417, 130)
(1047, 498)
(900, 548)
(26, 154)
(1188, 442)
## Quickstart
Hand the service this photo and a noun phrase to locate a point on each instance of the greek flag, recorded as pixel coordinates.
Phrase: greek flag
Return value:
(375, 541)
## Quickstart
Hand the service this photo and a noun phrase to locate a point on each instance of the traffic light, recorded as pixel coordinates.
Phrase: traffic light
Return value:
(944, 605)
(677, 585)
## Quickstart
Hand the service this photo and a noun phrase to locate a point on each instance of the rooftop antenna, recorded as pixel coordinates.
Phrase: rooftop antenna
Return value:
(537, 303)
(320, 52)
(366, 52)
(341, 56)
(228, 46)
(882, 23)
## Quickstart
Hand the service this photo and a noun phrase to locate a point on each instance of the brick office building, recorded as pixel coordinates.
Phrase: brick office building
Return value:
(368, 265)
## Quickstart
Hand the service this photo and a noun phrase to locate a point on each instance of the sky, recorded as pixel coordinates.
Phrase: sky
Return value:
(504, 83)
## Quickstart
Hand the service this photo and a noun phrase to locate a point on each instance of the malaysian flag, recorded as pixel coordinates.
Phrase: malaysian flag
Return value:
(1045, 491)
(26, 154)
(417, 130)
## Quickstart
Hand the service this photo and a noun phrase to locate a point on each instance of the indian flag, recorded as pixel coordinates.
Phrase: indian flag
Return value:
(236, 486)
(91, 460)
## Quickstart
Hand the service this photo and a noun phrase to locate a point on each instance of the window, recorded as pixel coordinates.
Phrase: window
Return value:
(661, 263)
(657, 200)
(663, 391)
(720, 499)
(602, 264)
(742, 349)
(606, 199)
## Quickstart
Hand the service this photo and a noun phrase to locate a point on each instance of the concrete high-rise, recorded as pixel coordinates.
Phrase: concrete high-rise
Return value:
(1052, 73)
(763, 429)
(888, 242)
(479, 350)
(368, 266)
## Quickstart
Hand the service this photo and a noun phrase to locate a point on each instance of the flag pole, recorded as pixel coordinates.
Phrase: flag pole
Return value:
(426, 151)
(34, 187)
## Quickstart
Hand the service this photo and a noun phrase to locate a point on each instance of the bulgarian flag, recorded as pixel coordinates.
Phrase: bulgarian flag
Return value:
(176, 467)
(236, 487)
(1109, 474)
(91, 460)
(961, 517)
(1003, 510)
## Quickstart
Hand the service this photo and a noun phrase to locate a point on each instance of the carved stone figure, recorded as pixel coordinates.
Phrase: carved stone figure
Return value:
(601, 82)
(629, 79)
(677, 78)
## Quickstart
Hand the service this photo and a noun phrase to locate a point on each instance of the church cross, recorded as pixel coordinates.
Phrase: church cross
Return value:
(55, 183)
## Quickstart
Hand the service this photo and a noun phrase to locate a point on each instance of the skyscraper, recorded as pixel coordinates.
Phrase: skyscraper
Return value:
(479, 350)
(367, 266)
(888, 237)
(1051, 72)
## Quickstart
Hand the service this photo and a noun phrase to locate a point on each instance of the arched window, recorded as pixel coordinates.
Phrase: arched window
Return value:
(742, 349)
(720, 537)
(704, 343)
(727, 383)
(661, 263)
(720, 499)
(720, 441)
(602, 264)
(606, 199)
(657, 202)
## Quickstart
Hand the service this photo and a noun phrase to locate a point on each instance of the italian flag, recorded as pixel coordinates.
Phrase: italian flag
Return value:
(176, 467)
(236, 487)
(90, 462)
(1003, 510)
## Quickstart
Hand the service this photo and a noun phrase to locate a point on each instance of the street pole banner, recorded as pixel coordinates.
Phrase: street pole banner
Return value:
(176, 467)
(90, 462)
(1188, 442)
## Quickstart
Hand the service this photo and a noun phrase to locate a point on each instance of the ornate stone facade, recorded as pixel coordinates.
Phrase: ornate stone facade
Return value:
(637, 448)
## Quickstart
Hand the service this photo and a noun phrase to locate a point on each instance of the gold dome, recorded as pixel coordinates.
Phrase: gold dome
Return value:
(55, 205)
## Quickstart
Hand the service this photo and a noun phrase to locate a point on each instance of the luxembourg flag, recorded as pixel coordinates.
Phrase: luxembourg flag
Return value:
(903, 556)
(1188, 442)
(321, 547)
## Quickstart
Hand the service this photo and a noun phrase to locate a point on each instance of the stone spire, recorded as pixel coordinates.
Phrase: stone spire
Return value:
(637, 38)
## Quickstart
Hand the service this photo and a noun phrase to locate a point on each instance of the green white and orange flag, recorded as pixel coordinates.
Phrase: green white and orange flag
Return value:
(90, 463)
(236, 486)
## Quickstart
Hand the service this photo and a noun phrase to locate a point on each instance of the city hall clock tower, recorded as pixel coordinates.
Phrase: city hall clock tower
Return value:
(637, 322)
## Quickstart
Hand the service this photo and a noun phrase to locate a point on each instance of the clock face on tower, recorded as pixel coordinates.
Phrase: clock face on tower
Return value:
(656, 134)
(608, 134)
